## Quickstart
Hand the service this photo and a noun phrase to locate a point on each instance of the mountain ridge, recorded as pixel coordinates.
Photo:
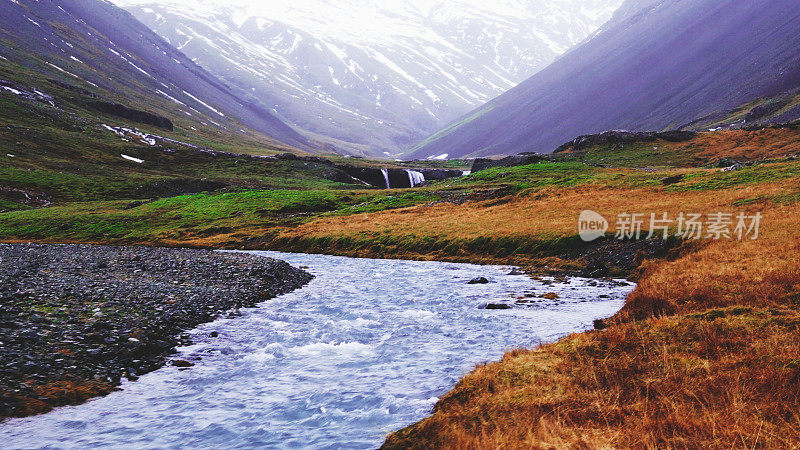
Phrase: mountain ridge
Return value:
(656, 65)
(376, 78)
(106, 47)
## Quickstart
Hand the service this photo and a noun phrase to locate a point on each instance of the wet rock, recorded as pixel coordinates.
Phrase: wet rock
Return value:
(478, 280)
(550, 296)
(498, 306)
(182, 363)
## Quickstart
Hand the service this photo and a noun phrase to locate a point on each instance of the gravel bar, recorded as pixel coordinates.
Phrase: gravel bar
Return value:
(76, 319)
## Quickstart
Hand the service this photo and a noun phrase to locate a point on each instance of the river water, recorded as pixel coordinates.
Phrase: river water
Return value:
(364, 349)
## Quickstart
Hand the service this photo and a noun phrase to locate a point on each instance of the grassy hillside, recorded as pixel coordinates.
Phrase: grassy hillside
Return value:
(757, 144)
(55, 149)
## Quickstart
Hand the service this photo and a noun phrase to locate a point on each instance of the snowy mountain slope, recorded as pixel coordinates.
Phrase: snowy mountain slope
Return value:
(97, 43)
(372, 76)
(658, 64)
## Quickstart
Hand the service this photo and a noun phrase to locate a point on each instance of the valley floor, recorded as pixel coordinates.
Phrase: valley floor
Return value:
(706, 352)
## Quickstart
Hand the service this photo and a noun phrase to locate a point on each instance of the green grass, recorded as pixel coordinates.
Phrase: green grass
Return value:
(639, 154)
(534, 177)
(394, 201)
(717, 179)
(200, 214)
(567, 174)
(6, 206)
(62, 153)
(560, 174)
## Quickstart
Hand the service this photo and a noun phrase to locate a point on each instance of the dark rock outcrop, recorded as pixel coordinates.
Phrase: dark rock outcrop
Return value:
(498, 306)
(369, 175)
(440, 174)
(178, 186)
(581, 143)
(398, 178)
(509, 161)
(134, 115)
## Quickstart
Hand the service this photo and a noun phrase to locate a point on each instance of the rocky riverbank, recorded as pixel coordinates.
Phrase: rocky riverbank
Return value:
(76, 319)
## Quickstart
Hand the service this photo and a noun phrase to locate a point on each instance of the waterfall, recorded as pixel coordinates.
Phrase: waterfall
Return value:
(386, 177)
(415, 178)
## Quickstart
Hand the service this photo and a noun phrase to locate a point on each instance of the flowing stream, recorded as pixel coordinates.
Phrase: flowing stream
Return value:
(364, 349)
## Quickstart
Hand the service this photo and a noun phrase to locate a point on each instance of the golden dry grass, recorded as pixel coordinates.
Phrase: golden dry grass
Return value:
(549, 212)
(705, 354)
(729, 380)
(760, 273)
(744, 144)
(741, 145)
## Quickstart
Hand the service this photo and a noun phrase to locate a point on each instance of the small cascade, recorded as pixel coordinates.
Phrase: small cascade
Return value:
(415, 178)
(385, 173)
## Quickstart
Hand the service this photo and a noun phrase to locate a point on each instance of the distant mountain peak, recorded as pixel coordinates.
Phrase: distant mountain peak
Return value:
(372, 76)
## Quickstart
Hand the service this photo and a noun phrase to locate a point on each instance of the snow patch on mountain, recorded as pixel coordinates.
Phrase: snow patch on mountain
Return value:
(367, 75)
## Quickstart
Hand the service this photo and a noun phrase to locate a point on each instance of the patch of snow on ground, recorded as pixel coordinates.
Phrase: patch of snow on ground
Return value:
(146, 138)
(12, 90)
(60, 69)
(203, 103)
(441, 157)
(175, 100)
(131, 158)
